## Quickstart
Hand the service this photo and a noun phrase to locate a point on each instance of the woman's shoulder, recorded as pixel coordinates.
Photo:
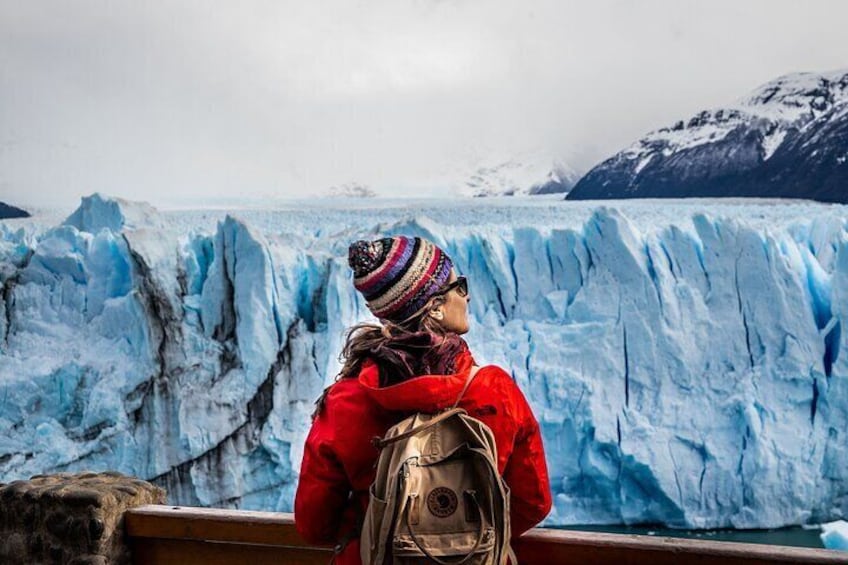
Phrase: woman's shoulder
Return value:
(342, 399)
(349, 417)
(494, 374)
(345, 390)
(493, 381)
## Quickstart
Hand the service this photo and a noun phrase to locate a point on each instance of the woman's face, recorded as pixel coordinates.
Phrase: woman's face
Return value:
(455, 309)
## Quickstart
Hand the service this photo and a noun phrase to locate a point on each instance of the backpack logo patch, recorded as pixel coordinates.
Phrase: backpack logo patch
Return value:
(442, 502)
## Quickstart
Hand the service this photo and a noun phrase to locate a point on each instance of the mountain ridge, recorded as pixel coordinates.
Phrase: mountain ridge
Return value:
(788, 138)
(520, 176)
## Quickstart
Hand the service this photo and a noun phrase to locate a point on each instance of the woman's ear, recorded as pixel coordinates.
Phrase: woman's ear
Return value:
(437, 314)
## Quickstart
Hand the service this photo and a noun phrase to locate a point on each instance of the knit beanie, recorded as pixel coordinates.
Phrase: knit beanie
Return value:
(398, 275)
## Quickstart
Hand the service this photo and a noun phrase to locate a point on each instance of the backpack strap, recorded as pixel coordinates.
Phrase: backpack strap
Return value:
(380, 443)
(343, 543)
(353, 533)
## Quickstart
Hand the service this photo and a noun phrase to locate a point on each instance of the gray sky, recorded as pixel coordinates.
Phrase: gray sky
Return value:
(170, 100)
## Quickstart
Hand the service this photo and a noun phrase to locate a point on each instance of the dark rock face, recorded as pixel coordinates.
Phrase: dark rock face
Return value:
(789, 140)
(811, 164)
(7, 212)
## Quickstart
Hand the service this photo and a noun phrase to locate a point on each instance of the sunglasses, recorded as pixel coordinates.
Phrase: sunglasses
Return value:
(460, 284)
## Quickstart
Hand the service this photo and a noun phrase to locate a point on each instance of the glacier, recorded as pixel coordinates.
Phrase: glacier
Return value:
(684, 359)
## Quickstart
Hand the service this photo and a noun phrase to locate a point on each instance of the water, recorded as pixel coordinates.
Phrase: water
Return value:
(795, 536)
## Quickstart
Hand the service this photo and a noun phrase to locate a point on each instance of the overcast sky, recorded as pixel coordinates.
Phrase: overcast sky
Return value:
(169, 100)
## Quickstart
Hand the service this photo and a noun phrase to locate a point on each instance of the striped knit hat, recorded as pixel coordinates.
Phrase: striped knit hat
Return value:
(398, 275)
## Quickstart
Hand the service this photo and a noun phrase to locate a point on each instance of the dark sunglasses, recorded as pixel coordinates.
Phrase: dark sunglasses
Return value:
(460, 284)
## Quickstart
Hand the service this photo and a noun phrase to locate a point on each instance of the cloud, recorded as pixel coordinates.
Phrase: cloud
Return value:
(151, 100)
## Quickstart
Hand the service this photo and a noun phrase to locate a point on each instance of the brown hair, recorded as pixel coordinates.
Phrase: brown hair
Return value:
(400, 349)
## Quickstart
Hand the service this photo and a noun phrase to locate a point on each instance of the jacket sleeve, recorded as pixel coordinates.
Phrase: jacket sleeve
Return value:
(526, 472)
(323, 488)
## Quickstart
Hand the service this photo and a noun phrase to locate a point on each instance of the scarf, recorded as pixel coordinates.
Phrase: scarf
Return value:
(422, 353)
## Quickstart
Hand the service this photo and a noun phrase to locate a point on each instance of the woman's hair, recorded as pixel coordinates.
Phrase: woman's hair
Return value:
(401, 350)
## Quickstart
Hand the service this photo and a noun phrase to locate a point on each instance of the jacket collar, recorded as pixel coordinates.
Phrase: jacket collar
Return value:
(425, 393)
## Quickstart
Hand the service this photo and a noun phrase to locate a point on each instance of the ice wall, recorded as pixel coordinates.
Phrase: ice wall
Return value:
(687, 373)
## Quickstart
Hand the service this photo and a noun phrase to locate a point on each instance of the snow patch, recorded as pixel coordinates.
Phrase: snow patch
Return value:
(519, 177)
(772, 142)
(350, 190)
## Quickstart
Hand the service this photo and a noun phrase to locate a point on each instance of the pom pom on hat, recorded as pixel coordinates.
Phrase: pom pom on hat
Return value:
(365, 256)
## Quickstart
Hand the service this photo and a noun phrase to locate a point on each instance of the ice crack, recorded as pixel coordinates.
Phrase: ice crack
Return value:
(626, 370)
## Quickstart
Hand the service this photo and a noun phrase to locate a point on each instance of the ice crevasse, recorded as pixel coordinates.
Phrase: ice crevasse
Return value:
(689, 373)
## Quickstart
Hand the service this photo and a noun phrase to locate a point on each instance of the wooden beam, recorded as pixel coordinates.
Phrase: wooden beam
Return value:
(214, 524)
(192, 552)
(568, 546)
(209, 536)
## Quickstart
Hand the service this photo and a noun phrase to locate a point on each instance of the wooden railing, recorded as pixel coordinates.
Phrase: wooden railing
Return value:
(203, 536)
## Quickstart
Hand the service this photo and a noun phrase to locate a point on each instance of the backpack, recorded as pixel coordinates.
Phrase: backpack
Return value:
(438, 496)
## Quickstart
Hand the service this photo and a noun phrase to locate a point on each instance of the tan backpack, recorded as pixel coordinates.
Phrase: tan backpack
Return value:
(438, 496)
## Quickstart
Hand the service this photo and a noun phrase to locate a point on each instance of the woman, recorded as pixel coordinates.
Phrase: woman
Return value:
(415, 361)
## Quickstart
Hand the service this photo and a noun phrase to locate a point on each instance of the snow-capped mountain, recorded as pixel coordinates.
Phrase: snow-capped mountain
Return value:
(520, 177)
(685, 361)
(350, 190)
(789, 139)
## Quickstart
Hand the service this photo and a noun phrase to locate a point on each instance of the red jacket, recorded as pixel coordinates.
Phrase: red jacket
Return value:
(338, 459)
